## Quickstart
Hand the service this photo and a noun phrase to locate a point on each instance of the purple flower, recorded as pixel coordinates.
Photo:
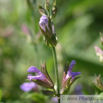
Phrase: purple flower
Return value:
(48, 30)
(69, 77)
(44, 23)
(40, 75)
(42, 79)
(70, 73)
(28, 86)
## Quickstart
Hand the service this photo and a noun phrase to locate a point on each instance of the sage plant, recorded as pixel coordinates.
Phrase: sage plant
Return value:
(42, 78)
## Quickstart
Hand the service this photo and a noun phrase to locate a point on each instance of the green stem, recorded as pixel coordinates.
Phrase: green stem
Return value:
(56, 72)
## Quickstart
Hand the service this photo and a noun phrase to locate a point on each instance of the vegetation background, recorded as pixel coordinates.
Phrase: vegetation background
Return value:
(77, 24)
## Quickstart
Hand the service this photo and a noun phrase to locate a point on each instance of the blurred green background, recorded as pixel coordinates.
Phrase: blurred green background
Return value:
(77, 24)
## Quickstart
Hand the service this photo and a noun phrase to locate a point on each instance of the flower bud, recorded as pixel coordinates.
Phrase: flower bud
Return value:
(97, 82)
(42, 10)
(47, 5)
(54, 11)
(47, 30)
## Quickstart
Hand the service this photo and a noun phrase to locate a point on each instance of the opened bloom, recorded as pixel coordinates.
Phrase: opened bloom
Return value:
(70, 73)
(28, 86)
(42, 78)
(69, 77)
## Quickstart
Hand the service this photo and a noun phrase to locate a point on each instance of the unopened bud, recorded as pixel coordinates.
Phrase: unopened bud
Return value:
(50, 38)
(42, 10)
(47, 5)
(54, 11)
(97, 82)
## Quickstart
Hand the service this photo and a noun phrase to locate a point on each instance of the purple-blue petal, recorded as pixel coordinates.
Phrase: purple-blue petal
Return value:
(38, 77)
(43, 23)
(73, 74)
(44, 18)
(33, 69)
(28, 86)
(72, 65)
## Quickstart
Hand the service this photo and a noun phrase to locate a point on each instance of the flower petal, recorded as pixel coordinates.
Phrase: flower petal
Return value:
(72, 65)
(27, 86)
(73, 74)
(39, 77)
(33, 69)
(44, 18)
(43, 22)
(42, 25)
